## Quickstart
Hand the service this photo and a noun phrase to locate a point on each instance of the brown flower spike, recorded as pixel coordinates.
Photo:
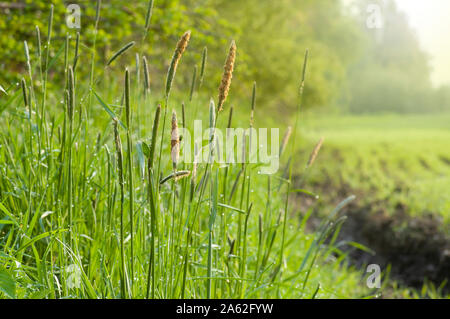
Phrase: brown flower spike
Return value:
(286, 137)
(227, 75)
(314, 153)
(181, 47)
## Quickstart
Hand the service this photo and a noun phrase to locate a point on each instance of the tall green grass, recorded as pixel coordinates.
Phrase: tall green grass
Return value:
(82, 221)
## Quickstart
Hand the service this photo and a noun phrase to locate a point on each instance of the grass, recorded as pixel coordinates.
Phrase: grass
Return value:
(398, 159)
(395, 164)
(79, 220)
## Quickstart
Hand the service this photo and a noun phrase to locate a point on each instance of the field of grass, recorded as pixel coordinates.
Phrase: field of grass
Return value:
(398, 159)
(94, 202)
(398, 168)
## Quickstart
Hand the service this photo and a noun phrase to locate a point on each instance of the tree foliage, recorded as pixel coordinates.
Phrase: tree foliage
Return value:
(393, 72)
(351, 67)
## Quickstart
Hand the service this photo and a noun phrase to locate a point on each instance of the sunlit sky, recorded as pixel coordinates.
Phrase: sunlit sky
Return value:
(431, 20)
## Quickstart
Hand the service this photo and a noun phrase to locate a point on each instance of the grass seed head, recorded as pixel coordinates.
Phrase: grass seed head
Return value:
(230, 117)
(71, 83)
(38, 41)
(181, 174)
(154, 135)
(77, 46)
(253, 104)
(181, 45)
(202, 69)
(97, 13)
(120, 52)
(286, 137)
(148, 16)
(227, 75)
(27, 51)
(314, 153)
(175, 175)
(175, 141)
(180, 48)
(66, 53)
(183, 114)
(50, 24)
(212, 114)
(146, 75)
(24, 92)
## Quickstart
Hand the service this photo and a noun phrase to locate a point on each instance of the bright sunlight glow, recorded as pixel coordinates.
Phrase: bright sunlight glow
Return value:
(430, 19)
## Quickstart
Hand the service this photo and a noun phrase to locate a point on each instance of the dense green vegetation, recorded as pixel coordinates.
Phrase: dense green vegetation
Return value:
(89, 203)
(86, 216)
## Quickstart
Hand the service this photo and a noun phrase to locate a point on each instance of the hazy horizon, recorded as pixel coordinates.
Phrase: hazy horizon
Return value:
(432, 26)
(429, 21)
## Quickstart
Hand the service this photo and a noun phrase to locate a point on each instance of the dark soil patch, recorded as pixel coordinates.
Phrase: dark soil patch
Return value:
(415, 247)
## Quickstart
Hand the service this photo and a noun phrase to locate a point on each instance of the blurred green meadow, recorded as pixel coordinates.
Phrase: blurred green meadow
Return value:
(396, 159)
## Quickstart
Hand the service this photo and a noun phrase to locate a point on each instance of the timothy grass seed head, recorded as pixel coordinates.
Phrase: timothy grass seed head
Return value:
(227, 75)
(180, 48)
(314, 153)
(175, 141)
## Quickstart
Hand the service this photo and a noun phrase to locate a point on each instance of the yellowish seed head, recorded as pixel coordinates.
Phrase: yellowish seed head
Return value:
(314, 153)
(227, 75)
(181, 46)
(286, 137)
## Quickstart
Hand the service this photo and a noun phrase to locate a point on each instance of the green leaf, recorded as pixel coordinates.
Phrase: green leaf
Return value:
(108, 110)
(232, 208)
(7, 284)
(304, 191)
(174, 175)
(52, 61)
(361, 247)
(39, 237)
(10, 100)
(3, 90)
(7, 213)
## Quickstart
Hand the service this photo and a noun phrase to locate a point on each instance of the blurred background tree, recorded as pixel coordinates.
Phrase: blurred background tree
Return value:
(352, 67)
(393, 73)
(119, 24)
(274, 36)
